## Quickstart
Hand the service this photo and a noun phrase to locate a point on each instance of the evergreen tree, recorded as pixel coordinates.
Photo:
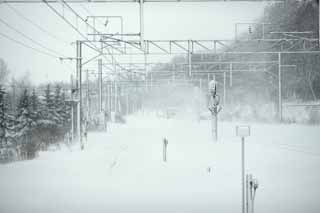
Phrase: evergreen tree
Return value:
(35, 107)
(24, 121)
(49, 114)
(65, 112)
(26, 125)
(58, 105)
(6, 118)
(3, 124)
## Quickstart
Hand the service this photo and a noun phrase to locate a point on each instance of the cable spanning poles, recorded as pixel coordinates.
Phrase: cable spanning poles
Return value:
(27, 46)
(86, 41)
(18, 13)
(52, 52)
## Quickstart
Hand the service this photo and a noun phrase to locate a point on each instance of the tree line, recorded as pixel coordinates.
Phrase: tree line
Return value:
(35, 121)
(254, 95)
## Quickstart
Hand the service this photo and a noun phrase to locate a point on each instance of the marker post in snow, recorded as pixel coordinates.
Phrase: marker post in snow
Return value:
(252, 186)
(214, 107)
(165, 144)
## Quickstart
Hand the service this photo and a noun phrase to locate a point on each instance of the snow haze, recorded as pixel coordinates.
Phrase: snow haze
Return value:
(123, 171)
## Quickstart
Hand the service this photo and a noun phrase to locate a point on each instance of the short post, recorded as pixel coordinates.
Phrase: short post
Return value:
(253, 188)
(248, 180)
(214, 107)
(165, 144)
(243, 131)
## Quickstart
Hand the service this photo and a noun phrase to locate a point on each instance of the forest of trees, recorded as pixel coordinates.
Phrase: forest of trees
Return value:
(32, 119)
(303, 82)
(254, 95)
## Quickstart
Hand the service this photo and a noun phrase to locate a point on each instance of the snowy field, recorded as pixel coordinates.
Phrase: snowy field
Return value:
(122, 171)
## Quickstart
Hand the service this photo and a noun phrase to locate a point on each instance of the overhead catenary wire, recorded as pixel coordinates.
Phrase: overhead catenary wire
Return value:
(27, 46)
(92, 46)
(89, 25)
(53, 52)
(89, 12)
(93, 28)
(32, 48)
(69, 23)
(48, 54)
(18, 13)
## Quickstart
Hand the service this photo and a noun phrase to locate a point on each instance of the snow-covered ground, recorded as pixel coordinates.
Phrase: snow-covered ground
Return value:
(122, 171)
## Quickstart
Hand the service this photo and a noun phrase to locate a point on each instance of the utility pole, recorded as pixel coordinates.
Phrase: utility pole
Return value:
(127, 102)
(199, 100)
(79, 79)
(224, 88)
(319, 24)
(230, 68)
(141, 11)
(243, 131)
(109, 98)
(115, 97)
(72, 109)
(88, 95)
(146, 71)
(189, 59)
(279, 88)
(106, 104)
(100, 84)
(243, 172)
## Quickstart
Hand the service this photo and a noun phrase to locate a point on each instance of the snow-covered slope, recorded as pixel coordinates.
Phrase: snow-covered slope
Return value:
(122, 171)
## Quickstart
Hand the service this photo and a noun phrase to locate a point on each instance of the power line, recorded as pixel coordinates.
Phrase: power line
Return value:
(30, 39)
(88, 11)
(35, 24)
(27, 46)
(80, 33)
(32, 48)
(112, 56)
(64, 19)
(89, 25)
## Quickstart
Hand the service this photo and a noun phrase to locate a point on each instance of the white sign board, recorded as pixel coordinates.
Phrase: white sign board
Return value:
(243, 131)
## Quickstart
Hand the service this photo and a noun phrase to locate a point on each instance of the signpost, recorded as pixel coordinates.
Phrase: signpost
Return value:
(243, 131)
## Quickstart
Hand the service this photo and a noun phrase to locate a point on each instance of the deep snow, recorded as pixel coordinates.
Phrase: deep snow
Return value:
(122, 170)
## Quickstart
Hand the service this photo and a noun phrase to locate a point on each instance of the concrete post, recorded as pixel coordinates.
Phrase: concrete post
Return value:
(165, 144)
(279, 88)
(79, 112)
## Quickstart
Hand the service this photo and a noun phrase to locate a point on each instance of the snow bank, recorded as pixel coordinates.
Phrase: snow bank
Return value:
(122, 170)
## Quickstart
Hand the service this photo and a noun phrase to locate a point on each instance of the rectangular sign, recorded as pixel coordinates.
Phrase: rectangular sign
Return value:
(243, 131)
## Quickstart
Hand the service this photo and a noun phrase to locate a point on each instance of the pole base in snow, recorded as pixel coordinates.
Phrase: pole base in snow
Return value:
(165, 143)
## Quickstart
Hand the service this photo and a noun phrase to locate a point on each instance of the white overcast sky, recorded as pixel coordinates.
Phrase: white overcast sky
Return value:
(162, 21)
